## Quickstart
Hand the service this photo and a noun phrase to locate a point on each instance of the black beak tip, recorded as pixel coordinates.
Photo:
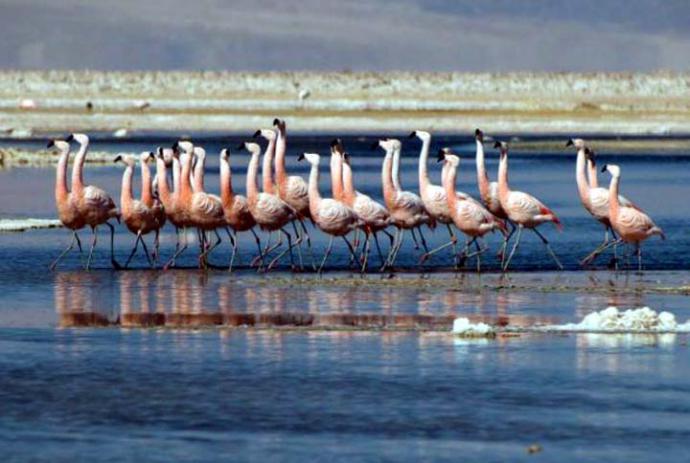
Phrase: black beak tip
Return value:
(240, 146)
(603, 168)
(374, 145)
(69, 138)
(412, 134)
(118, 158)
(300, 157)
(256, 134)
(175, 146)
(50, 144)
(276, 121)
(335, 142)
(570, 142)
(497, 144)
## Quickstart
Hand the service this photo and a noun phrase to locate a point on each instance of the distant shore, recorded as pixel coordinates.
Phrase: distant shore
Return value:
(344, 102)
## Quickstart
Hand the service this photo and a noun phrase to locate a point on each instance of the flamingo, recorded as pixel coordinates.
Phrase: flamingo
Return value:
(151, 199)
(139, 217)
(488, 191)
(206, 209)
(93, 204)
(270, 212)
(330, 215)
(630, 222)
(65, 201)
(471, 217)
(434, 196)
(406, 208)
(595, 199)
(235, 207)
(523, 209)
(167, 197)
(292, 189)
(374, 215)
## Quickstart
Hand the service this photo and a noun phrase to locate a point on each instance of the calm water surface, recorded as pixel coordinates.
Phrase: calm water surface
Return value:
(115, 394)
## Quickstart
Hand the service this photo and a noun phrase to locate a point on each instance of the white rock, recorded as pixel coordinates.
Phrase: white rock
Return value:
(463, 327)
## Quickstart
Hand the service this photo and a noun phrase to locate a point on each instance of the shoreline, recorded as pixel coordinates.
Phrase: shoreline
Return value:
(364, 103)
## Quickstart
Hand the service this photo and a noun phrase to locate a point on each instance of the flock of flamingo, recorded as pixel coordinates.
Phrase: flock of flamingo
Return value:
(283, 203)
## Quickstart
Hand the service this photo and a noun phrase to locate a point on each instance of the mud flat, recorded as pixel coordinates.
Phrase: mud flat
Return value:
(622, 103)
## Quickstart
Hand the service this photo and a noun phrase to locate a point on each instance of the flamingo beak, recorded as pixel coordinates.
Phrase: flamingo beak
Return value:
(412, 134)
(256, 134)
(300, 157)
(276, 122)
(241, 146)
(441, 156)
(479, 134)
(51, 143)
(152, 156)
(69, 138)
(603, 168)
(118, 158)
(569, 143)
(497, 144)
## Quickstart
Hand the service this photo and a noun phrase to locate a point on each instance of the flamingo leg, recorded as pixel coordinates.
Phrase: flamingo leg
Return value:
(639, 256)
(391, 250)
(309, 249)
(233, 242)
(261, 255)
(203, 258)
(506, 240)
(298, 242)
(63, 253)
(156, 246)
(598, 250)
(146, 253)
(258, 245)
(398, 246)
(353, 255)
(548, 248)
(414, 238)
(179, 251)
(378, 248)
(365, 251)
(134, 249)
(515, 246)
(453, 242)
(421, 238)
(94, 240)
(289, 249)
(326, 254)
(278, 244)
(113, 261)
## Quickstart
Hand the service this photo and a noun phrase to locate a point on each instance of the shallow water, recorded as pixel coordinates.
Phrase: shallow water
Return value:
(164, 394)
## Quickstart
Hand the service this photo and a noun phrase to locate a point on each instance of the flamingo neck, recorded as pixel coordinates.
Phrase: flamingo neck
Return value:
(176, 174)
(267, 170)
(314, 195)
(423, 160)
(387, 181)
(78, 168)
(252, 187)
(614, 206)
(348, 184)
(396, 169)
(448, 176)
(582, 186)
(503, 188)
(162, 179)
(185, 183)
(61, 190)
(126, 195)
(146, 193)
(592, 174)
(337, 176)
(281, 148)
(198, 176)
(227, 195)
(482, 176)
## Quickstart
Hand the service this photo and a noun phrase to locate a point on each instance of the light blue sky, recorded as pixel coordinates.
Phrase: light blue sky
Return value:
(463, 35)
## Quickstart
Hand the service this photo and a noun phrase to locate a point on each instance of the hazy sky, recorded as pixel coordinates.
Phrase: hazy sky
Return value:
(463, 35)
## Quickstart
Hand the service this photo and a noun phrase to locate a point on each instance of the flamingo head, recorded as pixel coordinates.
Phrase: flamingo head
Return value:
(61, 145)
(184, 146)
(279, 124)
(346, 158)
(478, 135)
(253, 148)
(578, 143)
(166, 154)
(613, 169)
(127, 159)
(268, 134)
(200, 153)
(591, 156)
(225, 154)
(421, 134)
(337, 146)
(312, 158)
(145, 156)
(80, 138)
(450, 158)
(503, 146)
(390, 145)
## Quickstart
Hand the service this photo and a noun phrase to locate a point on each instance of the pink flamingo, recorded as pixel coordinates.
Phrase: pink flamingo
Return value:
(594, 198)
(94, 205)
(374, 215)
(631, 223)
(523, 209)
(235, 207)
(471, 218)
(270, 212)
(488, 191)
(139, 217)
(167, 197)
(331, 216)
(65, 201)
(206, 209)
(406, 208)
(292, 189)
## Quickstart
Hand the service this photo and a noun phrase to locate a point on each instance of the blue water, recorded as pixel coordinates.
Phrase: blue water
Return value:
(115, 394)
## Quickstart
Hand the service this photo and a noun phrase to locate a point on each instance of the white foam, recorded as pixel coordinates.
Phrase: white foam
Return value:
(464, 327)
(612, 320)
(19, 225)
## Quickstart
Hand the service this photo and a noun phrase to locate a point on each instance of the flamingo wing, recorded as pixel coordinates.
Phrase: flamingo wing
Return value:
(273, 206)
(207, 204)
(335, 212)
(409, 201)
